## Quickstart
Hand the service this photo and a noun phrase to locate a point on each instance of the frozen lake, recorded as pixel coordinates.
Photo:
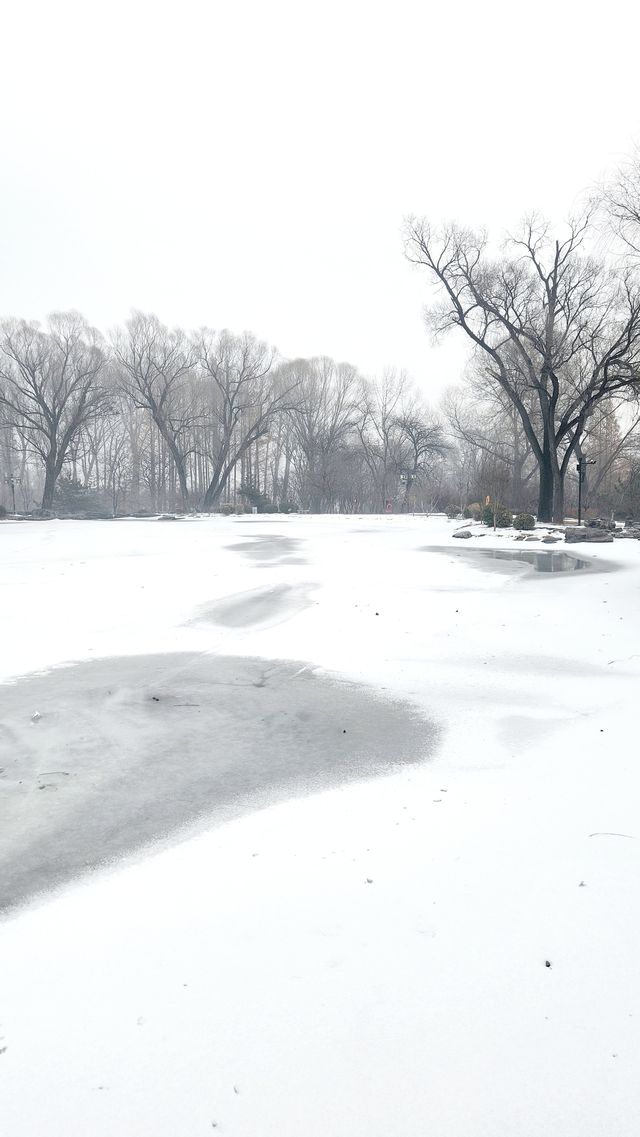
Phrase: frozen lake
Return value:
(307, 830)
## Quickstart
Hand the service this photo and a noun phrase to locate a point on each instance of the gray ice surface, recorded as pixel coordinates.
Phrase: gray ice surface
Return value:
(103, 758)
(540, 560)
(256, 606)
(270, 549)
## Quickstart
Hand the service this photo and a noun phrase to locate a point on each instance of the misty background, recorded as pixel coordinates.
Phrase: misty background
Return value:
(215, 197)
(249, 165)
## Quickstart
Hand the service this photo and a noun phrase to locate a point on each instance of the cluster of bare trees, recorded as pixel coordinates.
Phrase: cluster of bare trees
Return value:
(154, 418)
(555, 332)
(489, 456)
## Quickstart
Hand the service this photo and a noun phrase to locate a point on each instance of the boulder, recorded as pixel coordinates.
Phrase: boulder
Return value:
(591, 536)
(549, 540)
(463, 533)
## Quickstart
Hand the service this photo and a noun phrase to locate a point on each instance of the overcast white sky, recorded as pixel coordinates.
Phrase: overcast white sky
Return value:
(248, 164)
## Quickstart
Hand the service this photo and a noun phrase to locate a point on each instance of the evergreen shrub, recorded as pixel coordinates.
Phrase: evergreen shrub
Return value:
(503, 516)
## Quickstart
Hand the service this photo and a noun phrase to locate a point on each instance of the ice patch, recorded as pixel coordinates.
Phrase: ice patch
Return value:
(257, 606)
(270, 549)
(126, 751)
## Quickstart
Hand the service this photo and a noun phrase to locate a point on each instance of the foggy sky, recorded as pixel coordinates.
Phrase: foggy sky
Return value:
(249, 164)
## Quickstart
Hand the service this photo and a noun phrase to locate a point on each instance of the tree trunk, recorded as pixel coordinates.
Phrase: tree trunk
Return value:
(179, 465)
(135, 475)
(153, 493)
(384, 492)
(558, 501)
(545, 494)
(50, 479)
(212, 497)
(407, 492)
(284, 491)
(216, 486)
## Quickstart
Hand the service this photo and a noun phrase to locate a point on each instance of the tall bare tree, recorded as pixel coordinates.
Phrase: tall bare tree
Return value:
(246, 391)
(422, 442)
(156, 367)
(546, 319)
(379, 434)
(323, 421)
(52, 384)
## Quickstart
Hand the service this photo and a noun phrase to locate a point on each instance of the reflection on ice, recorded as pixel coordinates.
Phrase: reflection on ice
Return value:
(548, 561)
(541, 561)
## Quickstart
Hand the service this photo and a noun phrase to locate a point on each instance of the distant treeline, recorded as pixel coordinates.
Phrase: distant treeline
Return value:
(155, 418)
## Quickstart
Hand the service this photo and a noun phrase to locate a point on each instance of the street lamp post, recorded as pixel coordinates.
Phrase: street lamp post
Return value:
(581, 467)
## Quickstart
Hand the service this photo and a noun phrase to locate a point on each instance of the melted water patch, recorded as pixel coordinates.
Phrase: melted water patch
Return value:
(540, 560)
(547, 561)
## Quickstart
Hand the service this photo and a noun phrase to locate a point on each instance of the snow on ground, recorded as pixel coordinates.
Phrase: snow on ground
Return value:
(370, 959)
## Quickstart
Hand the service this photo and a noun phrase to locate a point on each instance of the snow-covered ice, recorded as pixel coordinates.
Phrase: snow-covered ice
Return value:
(131, 748)
(364, 960)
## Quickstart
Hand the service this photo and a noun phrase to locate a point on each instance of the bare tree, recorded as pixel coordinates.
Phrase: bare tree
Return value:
(8, 476)
(51, 386)
(627, 489)
(422, 442)
(484, 420)
(103, 458)
(620, 197)
(379, 433)
(278, 459)
(246, 391)
(156, 366)
(547, 320)
(323, 420)
(609, 439)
